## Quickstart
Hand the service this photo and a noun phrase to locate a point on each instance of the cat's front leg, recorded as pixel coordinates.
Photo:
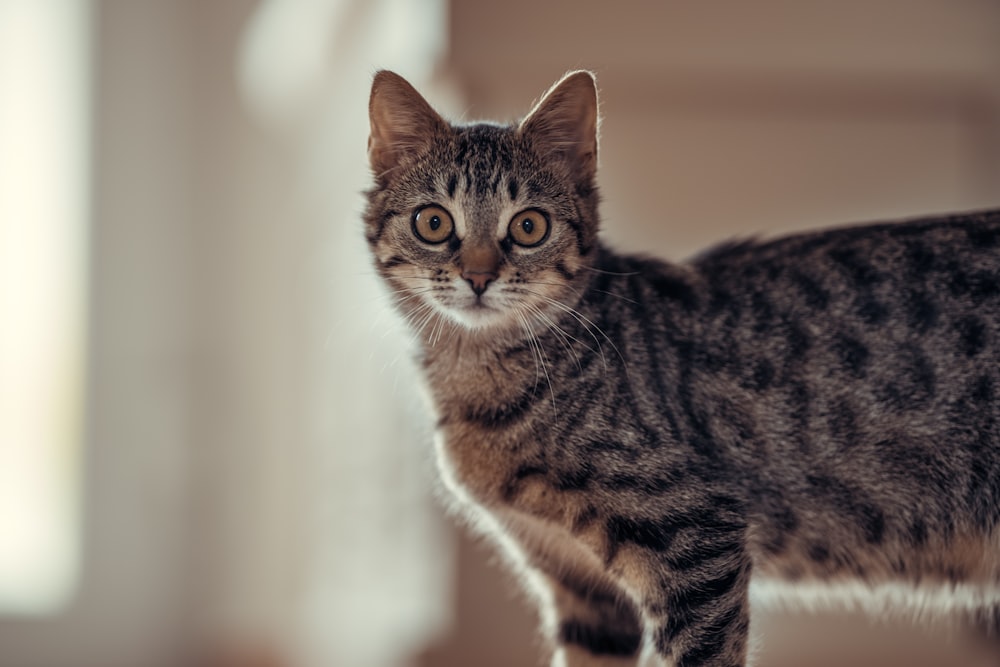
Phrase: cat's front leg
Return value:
(698, 613)
(592, 623)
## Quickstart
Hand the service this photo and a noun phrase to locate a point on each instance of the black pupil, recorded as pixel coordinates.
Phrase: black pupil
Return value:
(528, 226)
(435, 223)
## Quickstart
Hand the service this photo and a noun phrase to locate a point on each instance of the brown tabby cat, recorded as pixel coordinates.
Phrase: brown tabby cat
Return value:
(646, 439)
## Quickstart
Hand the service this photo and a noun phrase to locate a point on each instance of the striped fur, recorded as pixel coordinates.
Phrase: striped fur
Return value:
(645, 439)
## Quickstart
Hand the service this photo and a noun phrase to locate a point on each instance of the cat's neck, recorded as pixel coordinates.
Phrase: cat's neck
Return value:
(447, 347)
(470, 369)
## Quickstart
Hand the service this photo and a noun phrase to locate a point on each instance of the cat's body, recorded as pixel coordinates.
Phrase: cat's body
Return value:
(646, 438)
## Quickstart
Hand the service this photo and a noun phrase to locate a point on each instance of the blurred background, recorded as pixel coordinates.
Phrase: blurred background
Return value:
(211, 444)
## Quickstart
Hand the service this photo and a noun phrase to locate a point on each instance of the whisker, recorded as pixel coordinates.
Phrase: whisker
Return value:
(419, 327)
(579, 292)
(609, 273)
(541, 360)
(531, 344)
(584, 321)
(561, 334)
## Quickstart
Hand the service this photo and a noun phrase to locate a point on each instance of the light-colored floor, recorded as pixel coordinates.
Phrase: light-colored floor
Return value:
(839, 641)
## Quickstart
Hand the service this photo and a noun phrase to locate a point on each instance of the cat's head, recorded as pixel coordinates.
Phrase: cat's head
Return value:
(489, 225)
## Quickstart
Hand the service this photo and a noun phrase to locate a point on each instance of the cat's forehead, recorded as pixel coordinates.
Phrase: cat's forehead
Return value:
(484, 147)
(488, 160)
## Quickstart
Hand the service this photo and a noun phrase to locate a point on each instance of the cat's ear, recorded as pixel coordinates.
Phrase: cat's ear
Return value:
(564, 124)
(402, 122)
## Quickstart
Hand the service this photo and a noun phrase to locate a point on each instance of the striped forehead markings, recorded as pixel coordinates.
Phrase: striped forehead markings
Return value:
(512, 188)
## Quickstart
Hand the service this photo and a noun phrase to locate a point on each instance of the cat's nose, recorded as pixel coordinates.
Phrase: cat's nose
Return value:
(479, 280)
(480, 266)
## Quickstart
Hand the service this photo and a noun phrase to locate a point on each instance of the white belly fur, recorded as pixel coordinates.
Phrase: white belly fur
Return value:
(927, 601)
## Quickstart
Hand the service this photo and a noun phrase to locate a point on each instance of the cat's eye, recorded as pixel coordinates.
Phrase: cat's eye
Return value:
(433, 224)
(529, 228)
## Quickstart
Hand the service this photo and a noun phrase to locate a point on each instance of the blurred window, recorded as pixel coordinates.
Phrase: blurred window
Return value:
(44, 207)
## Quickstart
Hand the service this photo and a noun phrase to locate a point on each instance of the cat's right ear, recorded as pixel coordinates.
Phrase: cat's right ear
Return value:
(402, 122)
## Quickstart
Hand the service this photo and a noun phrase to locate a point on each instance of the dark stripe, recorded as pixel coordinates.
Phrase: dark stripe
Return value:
(853, 502)
(504, 415)
(512, 486)
(713, 639)
(599, 641)
(918, 532)
(563, 271)
(481, 179)
(983, 237)
(673, 288)
(380, 225)
(658, 534)
(816, 296)
(763, 311)
(699, 431)
(452, 184)
(642, 532)
(584, 396)
(702, 551)
(980, 285)
(870, 310)
(393, 261)
(798, 340)
(921, 311)
(651, 347)
(763, 375)
(573, 475)
(819, 552)
(856, 268)
(584, 519)
(462, 150)
(982, 390)
(921, 259)
(582, 246)
(597, 593)
(535, 189)
(512, 189)
(686, 609)
(972, 335)
(853, 354)
(654, 484)
(702, 593)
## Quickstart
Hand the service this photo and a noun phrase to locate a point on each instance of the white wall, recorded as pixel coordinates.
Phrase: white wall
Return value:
(127, 609)
(248, 492)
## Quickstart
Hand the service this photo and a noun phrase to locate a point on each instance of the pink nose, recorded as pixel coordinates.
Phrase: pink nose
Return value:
(479, 280)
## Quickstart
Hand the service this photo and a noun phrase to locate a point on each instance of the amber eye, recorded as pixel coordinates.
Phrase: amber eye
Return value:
(529, 228)
(433, 224)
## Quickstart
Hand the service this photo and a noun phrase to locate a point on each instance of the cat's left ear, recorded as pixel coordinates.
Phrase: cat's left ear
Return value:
(403, 124)
(564, 124)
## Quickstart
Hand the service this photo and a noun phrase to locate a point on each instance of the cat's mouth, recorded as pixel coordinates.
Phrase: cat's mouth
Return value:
(477, 312)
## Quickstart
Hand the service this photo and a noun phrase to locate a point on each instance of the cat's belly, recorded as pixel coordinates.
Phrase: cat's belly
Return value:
(931, 599)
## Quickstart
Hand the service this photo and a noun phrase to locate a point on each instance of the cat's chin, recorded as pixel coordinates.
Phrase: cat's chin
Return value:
(479, 316)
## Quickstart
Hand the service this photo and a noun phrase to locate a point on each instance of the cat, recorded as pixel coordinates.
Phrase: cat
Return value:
(817, 414)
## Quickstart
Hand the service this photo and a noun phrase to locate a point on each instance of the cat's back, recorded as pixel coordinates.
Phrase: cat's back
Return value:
(863, 368)
(850, 299)
(954, 258)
